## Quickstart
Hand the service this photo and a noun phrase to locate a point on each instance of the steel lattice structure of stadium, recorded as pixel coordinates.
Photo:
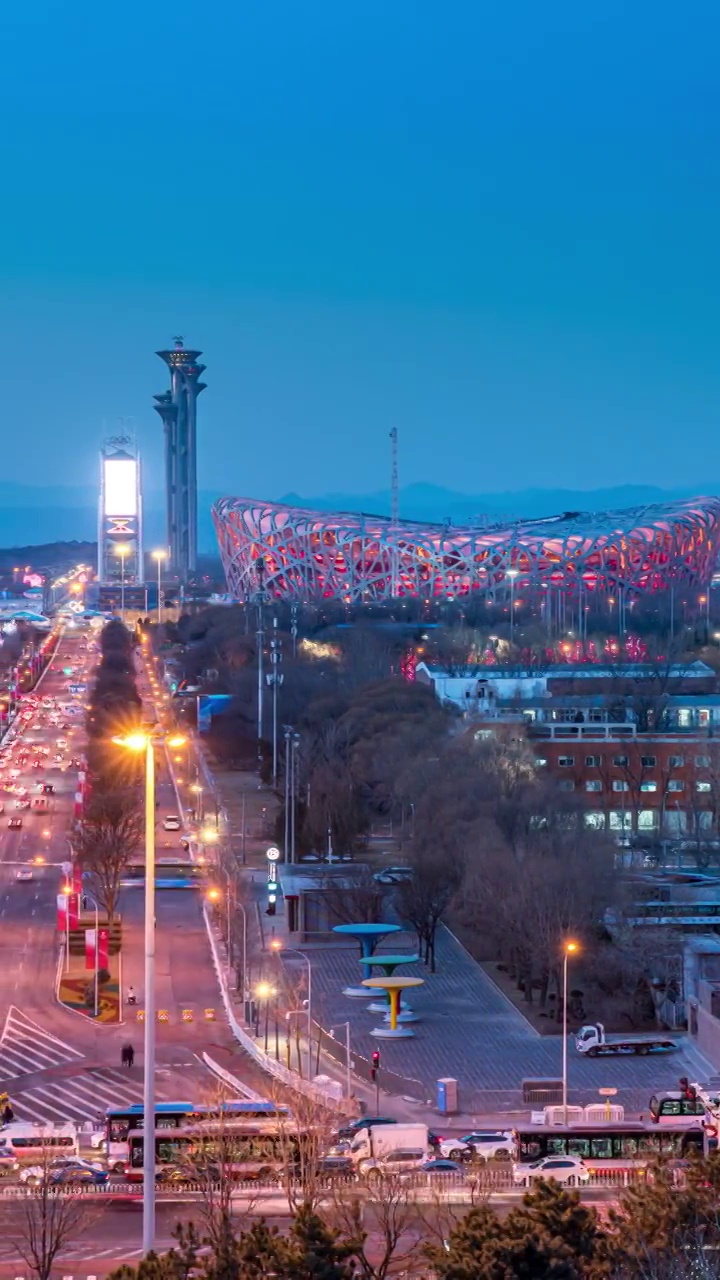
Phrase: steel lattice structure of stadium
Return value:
(297, 554)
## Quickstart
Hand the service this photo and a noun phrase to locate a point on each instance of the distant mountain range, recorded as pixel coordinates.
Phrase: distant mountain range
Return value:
(33, 514)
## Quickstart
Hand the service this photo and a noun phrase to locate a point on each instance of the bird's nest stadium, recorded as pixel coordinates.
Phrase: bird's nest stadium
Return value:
(296, 554)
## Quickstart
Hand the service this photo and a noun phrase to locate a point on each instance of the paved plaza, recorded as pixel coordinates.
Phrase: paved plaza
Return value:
(470, 1031)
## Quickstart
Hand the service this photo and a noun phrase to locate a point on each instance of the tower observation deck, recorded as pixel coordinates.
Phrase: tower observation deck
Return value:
(177, 408)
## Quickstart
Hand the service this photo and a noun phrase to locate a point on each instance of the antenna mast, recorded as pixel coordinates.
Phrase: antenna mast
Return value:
(394, 513)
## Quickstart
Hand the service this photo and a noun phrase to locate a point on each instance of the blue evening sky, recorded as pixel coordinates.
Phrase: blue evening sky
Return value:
(494, 225)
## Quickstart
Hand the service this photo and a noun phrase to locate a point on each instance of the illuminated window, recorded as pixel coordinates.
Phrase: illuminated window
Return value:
(676, 785)
(593, 785)
(648, 786)
(703, 786)
(619, 785)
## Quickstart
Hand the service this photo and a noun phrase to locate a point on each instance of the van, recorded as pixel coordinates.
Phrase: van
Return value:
(29, 1142)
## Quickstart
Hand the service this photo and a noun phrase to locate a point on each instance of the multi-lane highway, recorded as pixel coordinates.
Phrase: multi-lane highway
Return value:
(57, 1064)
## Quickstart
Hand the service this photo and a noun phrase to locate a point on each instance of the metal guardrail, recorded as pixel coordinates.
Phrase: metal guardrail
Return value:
(476, 1179)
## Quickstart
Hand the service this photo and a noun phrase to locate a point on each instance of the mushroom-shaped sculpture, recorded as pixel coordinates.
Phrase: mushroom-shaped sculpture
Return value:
(394, 986)
(387, 964)
(368, 936)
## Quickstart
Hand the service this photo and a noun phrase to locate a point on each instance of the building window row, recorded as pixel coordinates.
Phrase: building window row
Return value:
(618, 785)
(622, 762)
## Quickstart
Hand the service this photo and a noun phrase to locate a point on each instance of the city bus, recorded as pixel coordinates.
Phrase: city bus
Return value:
(120, 1122)
(242, 1152)
(624, 1145)
(674, 1106)
(170, 873)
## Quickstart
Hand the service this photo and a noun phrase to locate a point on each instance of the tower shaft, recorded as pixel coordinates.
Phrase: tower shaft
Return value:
(177, 408)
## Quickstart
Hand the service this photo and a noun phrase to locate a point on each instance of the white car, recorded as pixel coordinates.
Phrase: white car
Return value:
(490, 1144)
(172, 822)
(98, 1140)
(569, 1171)
(23, 874)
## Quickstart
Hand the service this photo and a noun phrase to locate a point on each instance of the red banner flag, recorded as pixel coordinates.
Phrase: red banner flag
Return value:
(61, 909)
(103, 948)
(77, 881)
(73, 910)
(89, 948)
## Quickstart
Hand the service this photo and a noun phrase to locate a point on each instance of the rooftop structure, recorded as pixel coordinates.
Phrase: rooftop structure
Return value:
(294, 553)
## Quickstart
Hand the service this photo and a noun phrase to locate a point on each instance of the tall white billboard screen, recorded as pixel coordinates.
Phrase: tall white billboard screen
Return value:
(120, 487)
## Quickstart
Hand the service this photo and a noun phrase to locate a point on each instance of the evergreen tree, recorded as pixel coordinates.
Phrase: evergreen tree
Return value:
(670, 1212)
(317, 1251)
(552, 1236)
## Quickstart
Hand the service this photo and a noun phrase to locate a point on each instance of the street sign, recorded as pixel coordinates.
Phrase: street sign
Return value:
(272, 854)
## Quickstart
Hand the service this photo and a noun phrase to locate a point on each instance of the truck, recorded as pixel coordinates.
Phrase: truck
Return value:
(380, 1139)
(592, 1042)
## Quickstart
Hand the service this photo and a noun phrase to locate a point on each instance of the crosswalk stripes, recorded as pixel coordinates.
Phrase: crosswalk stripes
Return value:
(26, 1047)
(78, 1098)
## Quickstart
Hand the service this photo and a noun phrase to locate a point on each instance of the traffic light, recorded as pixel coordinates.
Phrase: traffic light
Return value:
(375, 1064)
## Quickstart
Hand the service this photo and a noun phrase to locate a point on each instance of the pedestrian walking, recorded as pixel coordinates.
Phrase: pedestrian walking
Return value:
(123, 1055)
(8, 1114)
(130, 1055)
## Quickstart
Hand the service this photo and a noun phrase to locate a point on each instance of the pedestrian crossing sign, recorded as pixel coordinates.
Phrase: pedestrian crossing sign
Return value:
(140, 1015)
(163, 1015)
(187, 1015)
(209, 1015)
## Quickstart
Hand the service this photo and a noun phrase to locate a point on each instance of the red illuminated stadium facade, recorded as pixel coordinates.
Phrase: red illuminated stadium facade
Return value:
(297, 554)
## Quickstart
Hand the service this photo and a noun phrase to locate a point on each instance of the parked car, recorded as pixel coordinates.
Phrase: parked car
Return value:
(440, 1168)
(490, 1144)
(394, 1163)
(569, 1171)
(393, 875)
(15, 824)
(65, 1169)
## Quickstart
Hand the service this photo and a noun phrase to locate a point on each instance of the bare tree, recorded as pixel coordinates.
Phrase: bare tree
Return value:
(424, 900)
(395, 1243)
(106, 841)
(44, 1221)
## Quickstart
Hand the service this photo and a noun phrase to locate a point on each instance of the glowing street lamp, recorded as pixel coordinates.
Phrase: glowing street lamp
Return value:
(569, 949)
(144, 742)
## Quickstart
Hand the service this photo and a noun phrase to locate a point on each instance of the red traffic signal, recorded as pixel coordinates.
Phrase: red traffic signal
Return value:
(375, 1064)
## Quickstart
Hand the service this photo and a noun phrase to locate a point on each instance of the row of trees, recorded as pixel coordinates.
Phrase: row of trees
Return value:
(112, 823)
(666, 1227)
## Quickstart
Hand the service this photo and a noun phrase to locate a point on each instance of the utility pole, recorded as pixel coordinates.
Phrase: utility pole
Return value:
(260, 646)
(275, 679)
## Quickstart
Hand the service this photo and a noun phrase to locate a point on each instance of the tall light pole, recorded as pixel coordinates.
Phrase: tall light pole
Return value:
(512, 575)
(288, 731)
(293, 785)
(143, 742)
(275, 679)
(122, 550)
(277, 946)
(159, 556)
(348, 1072)
(94, 904)
(569, 949)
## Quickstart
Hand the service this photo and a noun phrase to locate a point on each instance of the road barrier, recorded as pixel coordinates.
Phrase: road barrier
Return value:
(464, 1186)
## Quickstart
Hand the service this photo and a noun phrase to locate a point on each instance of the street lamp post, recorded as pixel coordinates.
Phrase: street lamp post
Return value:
(293, 798)
(569, 949)
(275, 679)
(277, 946)
(159, 556)
(145, 743)
(286, 850)
(348, 1072)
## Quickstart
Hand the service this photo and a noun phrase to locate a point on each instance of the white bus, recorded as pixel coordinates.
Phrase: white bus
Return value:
(32, 1141)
